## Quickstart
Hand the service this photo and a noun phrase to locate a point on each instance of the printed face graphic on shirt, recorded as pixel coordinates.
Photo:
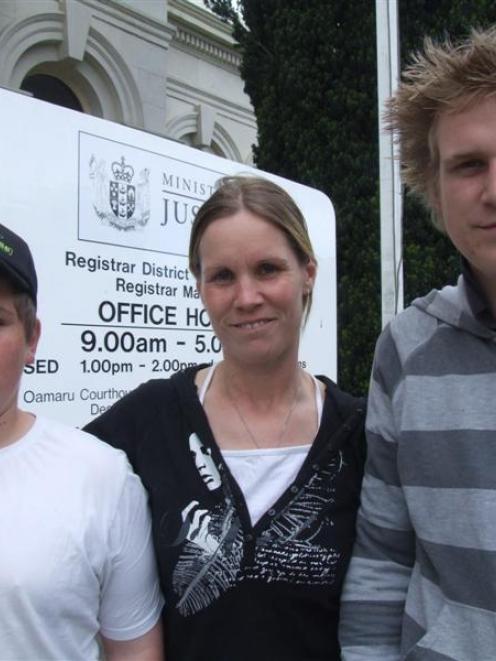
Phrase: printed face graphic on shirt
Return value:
(204, 463)
(298, 546)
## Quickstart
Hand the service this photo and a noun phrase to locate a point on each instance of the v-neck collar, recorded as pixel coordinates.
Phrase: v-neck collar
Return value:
(323, 446)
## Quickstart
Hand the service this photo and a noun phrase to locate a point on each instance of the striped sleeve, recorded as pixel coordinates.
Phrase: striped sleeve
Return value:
(375, 588)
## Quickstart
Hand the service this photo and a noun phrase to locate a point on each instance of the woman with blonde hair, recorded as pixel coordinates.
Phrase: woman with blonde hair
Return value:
(253, 465)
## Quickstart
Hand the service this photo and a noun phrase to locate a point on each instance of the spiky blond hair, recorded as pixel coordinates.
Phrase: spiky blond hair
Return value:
(444, 77)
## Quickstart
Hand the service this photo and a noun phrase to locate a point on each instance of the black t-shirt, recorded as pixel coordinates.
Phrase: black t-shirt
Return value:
(237, 592)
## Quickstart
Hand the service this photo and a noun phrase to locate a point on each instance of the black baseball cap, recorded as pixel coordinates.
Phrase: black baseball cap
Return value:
(16, 261)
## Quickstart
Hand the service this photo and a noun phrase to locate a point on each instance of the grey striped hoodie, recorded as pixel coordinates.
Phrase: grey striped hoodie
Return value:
(422, 581)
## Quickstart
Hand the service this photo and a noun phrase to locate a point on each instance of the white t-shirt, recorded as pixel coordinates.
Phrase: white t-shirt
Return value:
(264, 474)
(76, 554)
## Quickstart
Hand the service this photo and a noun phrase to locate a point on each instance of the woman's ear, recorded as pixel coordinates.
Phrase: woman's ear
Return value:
(311, 274)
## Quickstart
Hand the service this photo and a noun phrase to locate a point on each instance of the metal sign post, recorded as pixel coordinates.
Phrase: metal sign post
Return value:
(391, 200)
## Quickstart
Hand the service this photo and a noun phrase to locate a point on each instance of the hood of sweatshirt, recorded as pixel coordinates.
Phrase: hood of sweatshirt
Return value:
(450, 305)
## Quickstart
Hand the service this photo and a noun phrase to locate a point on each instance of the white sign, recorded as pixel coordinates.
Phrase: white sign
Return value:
(107, 212)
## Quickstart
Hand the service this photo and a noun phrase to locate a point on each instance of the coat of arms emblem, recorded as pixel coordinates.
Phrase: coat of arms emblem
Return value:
(118, 201)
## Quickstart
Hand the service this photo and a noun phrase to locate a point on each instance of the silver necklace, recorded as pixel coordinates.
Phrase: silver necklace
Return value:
(256, 442)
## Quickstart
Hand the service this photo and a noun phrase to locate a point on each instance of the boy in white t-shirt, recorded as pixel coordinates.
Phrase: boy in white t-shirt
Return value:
(76, 560)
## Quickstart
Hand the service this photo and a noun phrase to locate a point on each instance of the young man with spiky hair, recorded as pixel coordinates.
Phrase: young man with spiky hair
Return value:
(422, 581)
(76, 561)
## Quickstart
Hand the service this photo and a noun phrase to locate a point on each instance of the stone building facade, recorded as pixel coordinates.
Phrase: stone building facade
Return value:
(165, 66)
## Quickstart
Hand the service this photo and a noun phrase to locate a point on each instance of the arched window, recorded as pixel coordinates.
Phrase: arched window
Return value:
(51, 89)
(213, 148)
